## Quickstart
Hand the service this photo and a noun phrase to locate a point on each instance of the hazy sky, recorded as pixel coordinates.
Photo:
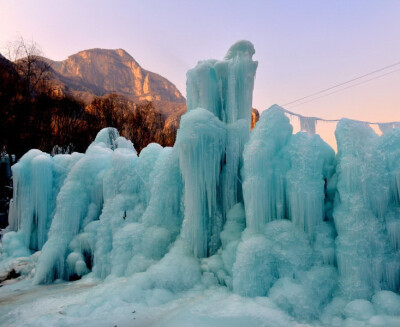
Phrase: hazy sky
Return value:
(302, 46)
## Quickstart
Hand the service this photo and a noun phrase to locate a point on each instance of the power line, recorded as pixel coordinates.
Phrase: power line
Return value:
(291, 113)
(345, 88)
(343, 83)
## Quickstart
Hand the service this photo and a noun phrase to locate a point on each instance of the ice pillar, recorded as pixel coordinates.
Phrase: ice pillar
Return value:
(224, 88)
(367, 261)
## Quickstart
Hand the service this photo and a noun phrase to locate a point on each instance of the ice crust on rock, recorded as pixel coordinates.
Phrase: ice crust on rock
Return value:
(271, 219)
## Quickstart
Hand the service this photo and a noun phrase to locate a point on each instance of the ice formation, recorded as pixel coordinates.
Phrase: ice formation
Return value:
(269, 214)
(386, 127)
(308, 124)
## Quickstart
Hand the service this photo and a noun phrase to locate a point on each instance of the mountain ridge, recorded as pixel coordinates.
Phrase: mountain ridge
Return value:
(98, 72)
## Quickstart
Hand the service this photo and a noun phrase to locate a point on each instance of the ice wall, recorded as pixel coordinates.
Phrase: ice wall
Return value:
(366, 211)
(117, 213)
(201, 145)
(211, 144)
(267, 214)
(79, 202)
(289, 240)
(37, 179)
(264, 169)
(137, 225)
(285, 175)
(224, 87)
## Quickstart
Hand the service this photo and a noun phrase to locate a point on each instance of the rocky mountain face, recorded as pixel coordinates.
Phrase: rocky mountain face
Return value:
(98, 72)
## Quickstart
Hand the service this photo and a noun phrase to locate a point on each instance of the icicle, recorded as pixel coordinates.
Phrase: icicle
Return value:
(363, 187)
(237, 136)
(305, 181)
(224, 87)
(264, 169)
(308, 124)
(79, 202)
(201, 145)
(386, 127)
(42, 188)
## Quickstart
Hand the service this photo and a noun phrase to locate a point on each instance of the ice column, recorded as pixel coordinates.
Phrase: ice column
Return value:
(312, 165)
(201, 144)
(367, 262)
(265, 168)
(308, 124)
(224, 88)
(79, 202)
(33, 198)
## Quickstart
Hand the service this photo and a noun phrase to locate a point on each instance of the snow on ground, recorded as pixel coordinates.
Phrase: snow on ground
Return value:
(24, 304)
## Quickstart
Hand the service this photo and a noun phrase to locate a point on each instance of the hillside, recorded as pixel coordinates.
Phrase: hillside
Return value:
(98, 72)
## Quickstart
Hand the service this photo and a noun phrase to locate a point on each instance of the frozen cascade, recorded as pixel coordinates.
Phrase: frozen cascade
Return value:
(367, 262)
(312, 166)
(201, 144)
(387, 127)
(79, 202)
(268, 214)
(133, 228)
(37, 178)
(308, 124)
(288, 240)
(236, 138)
(225, 89)
(33, 176)
(285, 175)
(264, 169)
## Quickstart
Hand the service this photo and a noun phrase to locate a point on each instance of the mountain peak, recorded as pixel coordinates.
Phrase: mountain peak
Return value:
(101, 54)
(97, 72)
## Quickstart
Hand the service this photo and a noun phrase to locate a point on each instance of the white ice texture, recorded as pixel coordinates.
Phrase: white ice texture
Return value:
(269, 214)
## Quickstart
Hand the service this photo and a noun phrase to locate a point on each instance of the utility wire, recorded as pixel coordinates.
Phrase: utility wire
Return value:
(344, 88)
(291, 113)
(343, 83)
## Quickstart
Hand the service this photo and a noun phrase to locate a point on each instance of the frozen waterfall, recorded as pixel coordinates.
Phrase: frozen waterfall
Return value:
(267, 213)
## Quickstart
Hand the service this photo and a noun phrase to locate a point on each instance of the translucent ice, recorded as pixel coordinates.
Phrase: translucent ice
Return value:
(227, 227)
(308, 124)
(201, 144)
(367, 261)
(264, 169)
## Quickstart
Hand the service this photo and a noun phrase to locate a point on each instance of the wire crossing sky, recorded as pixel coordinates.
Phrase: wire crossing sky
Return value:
(292, 113)
(341, 89)
(301, 46)
(347, 82)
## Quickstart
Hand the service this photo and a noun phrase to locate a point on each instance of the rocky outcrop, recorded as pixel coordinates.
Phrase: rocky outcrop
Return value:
(255, 116)
(98, 72)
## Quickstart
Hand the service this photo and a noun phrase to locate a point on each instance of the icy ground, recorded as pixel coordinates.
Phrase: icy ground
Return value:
(226, 228)
(65, 304)
(24, 305)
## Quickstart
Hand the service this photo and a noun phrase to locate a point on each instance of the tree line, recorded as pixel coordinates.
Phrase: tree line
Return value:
(34, 114)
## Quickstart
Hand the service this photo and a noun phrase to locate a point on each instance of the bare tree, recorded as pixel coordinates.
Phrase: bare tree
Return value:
(30, 65)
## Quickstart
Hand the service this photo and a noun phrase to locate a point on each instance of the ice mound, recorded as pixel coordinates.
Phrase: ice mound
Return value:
(269, 220)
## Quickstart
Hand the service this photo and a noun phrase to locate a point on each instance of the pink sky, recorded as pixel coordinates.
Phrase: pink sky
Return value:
(302, 46)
